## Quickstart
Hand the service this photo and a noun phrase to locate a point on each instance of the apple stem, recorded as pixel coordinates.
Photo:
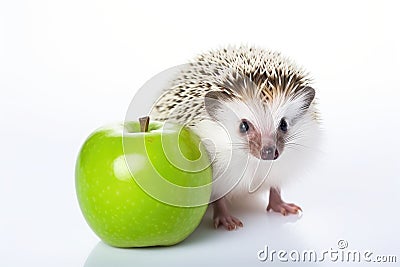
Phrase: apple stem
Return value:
(144, 123)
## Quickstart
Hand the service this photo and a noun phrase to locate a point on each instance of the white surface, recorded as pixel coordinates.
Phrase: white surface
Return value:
(68, 67)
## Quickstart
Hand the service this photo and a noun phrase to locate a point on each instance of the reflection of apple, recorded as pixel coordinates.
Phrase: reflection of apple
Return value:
(112, 196)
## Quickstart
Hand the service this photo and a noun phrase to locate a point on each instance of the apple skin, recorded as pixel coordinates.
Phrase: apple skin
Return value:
(117, 209)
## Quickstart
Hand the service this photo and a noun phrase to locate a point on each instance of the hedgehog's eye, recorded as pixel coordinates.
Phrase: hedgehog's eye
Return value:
(283, 125)
(243, 127)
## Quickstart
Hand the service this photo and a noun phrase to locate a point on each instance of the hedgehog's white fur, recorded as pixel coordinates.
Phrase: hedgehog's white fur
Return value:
(242, 166)
(270, 89)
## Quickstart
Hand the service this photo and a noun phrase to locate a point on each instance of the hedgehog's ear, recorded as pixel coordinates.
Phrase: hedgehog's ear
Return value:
(308, 95)
(300, 103)
(213, 101)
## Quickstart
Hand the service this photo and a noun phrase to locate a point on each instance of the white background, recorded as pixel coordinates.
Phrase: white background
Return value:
(68, 67)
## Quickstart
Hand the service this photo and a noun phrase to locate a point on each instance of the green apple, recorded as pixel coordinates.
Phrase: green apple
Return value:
(143, 185)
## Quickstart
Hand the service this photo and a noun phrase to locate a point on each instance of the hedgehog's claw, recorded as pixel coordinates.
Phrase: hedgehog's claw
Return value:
(278, 205)
(228, 222)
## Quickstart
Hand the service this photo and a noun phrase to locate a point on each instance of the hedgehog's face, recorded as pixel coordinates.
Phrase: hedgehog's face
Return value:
(261, 129)
(264, 145)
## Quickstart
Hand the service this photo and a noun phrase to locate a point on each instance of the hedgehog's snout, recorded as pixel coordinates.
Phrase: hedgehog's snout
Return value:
(269, 152)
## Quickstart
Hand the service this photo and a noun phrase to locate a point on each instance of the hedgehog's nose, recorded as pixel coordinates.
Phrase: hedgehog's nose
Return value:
(268, 153)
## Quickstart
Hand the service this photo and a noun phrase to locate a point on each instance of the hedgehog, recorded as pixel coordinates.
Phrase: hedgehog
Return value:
(256, 112)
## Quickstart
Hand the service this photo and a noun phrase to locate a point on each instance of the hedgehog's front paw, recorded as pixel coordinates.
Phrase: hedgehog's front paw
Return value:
(278, 205)
(229, 222)
(222, 216)
(284, 208)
